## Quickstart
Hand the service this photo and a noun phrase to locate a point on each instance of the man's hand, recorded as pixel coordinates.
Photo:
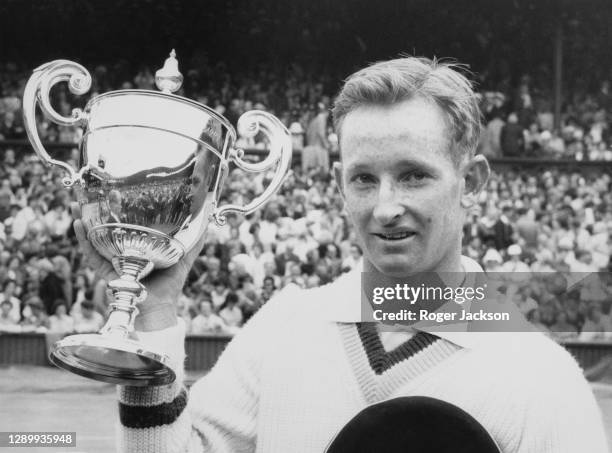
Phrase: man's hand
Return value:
(163, 286)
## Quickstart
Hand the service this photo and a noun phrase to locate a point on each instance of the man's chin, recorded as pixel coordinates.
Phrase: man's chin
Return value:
(399, 268)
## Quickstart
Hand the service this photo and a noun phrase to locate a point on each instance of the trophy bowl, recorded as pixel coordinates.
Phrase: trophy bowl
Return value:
(152, 165)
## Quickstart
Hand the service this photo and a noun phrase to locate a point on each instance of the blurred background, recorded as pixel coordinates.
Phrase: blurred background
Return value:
(542, 68)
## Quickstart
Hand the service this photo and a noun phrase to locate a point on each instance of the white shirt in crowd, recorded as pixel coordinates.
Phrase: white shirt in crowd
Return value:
(20, 224)
(57, 223)
(92, 324)
(207, 324)
(15, 303)
(61, 323)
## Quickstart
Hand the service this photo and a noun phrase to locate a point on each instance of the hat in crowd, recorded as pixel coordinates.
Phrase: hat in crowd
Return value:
(514, 250)
(492, 255)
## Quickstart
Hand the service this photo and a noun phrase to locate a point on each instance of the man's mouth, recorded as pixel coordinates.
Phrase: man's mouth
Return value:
(398, 236)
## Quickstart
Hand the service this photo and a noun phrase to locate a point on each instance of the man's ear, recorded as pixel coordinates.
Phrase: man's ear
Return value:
(337, 168)
(475, 174)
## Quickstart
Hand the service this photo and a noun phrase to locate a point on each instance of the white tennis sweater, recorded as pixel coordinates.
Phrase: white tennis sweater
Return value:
(302, 367)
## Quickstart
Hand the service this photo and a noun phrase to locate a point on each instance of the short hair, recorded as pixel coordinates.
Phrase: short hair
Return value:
(440, 82)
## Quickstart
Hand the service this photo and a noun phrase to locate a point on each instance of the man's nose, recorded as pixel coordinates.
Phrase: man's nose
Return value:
(388, 209)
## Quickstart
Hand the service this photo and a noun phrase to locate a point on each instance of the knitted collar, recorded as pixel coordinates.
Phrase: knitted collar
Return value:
(381, 360)
(346, 308)
(380, 374)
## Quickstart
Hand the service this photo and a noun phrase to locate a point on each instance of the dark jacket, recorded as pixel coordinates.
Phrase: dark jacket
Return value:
(511, 140)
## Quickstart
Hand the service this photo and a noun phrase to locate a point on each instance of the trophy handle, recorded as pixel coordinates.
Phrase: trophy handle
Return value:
(37, 92)
(249, 125)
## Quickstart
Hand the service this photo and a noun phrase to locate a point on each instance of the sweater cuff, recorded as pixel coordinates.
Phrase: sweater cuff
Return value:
(152, 416)
(169, 341)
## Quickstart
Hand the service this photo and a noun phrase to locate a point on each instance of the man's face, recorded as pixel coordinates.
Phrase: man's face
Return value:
(268, 285)
(401, 189)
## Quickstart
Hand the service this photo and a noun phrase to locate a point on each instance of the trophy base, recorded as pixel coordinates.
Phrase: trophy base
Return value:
(113, 360)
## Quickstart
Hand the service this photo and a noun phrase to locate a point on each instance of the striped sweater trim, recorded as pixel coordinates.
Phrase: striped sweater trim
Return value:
(149, 396)
(174, 438)
(152, 416)
(381, 360)
(411, 361)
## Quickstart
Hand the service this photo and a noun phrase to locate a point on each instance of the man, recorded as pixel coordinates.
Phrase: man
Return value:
(8, 295)
(5, 204)
(306, 364)
(207, 321)
(51, 285)
(7, 321)
(527, 227)
(491, 146)
(511, 138)
(503, 229)
(24, 218)
(316, 154)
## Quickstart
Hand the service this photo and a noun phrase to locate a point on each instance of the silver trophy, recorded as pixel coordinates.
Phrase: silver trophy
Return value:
(151, 171)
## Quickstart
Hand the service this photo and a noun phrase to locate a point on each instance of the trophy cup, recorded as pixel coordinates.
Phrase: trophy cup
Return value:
(151, 168)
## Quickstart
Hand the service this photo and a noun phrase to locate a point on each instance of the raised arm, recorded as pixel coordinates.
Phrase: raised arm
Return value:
(219, 413)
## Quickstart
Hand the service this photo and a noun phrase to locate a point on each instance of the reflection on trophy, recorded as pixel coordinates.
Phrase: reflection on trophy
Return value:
(152, 167)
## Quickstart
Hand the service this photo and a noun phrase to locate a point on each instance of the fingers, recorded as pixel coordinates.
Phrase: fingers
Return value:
(81, 235)
(75, 210)
(79, 231)
(94, 260)
(87, 249)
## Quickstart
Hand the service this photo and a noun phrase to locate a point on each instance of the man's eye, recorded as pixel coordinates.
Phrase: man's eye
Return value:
(363, 178)
(414, 176)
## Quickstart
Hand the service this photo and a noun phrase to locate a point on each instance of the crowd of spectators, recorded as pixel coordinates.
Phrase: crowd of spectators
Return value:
(546, 235)
(541, 232)
(547, 226)
(518, 119)
(520, 123)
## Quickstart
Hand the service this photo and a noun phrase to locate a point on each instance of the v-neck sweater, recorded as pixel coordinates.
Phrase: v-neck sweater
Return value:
(292, 378)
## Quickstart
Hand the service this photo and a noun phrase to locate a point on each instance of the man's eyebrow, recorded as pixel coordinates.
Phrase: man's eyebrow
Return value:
(359, 166)
(404, 163)
(412, 163)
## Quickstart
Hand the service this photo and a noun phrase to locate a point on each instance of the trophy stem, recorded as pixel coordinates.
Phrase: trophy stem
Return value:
(127, 292)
